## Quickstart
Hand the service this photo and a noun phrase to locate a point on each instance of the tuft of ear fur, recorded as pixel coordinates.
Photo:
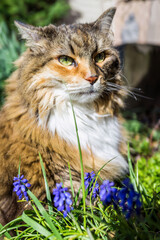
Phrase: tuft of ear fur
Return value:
(32, 35)
(103, 23)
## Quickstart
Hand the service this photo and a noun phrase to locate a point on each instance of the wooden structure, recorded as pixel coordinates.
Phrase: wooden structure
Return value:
(136, 21)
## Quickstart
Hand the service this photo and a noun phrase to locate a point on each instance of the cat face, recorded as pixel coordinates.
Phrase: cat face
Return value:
(72, 60)
(83, 61)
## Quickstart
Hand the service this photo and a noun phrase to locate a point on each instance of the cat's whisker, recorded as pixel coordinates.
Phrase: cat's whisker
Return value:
(128, 93)
(78, 91)
(115, 87)
(112, 78)
(131, 88)
(123, 76)
(101, 115)
(77, 87)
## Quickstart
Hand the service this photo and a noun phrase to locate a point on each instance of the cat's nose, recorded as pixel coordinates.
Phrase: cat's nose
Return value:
(92, 79)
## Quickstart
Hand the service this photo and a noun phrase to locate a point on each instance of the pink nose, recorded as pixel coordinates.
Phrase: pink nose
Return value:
(92, 79)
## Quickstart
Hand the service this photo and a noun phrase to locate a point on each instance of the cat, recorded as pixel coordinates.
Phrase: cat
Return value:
(63, 66)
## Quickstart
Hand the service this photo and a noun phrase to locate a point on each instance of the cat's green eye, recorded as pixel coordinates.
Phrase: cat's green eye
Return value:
(66, 61)
(99, 57)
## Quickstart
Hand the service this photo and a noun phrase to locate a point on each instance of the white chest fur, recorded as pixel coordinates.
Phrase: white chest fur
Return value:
(101, 134)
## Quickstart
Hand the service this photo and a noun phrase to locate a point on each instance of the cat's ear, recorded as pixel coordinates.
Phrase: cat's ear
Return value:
(31, 34)
(103, 23)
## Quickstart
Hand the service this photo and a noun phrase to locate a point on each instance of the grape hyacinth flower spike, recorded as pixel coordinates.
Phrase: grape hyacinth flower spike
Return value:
(108, 193)
(62, 199)
(88, 179)
(129, 199)
(20, 187)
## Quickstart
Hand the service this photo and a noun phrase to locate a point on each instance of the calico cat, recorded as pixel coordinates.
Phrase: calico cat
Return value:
(69, 63)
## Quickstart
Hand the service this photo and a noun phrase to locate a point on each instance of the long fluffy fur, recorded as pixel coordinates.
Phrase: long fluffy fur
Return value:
(37, 116)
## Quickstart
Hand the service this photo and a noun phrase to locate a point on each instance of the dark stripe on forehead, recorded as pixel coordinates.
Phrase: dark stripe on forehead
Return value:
(71, 48)
(96, 48)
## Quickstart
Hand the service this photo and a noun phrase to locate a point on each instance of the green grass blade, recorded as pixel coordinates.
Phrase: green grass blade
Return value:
(77, 195)
(70, 176)
(45, 215)
(131, 171)
(38, 227)
(48, 195)
(134, 178)
(87, 214)
(75, 222)
(6, 234)
(19, 169)
(81, 161)
(90, 234)
(104, 166)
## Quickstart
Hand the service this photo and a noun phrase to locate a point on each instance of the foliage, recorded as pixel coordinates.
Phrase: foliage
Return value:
(36, 12)
(10, 49)
(101, 221)
(146, 151)
(149, 172)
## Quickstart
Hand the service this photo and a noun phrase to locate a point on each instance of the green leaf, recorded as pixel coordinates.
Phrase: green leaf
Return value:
(45, 215)
(70, 176)
(75, 222)
(6, 234)
(39, 228)
(131, 171)
(90, 234)
(48, 195)
(81, 160)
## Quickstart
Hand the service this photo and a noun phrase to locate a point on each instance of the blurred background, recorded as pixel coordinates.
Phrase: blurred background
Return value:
(136, 28)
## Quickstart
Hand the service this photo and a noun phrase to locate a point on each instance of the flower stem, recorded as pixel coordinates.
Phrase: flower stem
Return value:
(81, 161)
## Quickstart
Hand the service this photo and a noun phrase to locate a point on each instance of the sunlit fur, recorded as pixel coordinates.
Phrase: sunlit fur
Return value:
(37, 116)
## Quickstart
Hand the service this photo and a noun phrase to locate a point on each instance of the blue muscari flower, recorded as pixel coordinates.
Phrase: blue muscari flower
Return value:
(20, 187)
(108, 193)
(95, 190)
(62, 199)
(88, 179)
(129, 199)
